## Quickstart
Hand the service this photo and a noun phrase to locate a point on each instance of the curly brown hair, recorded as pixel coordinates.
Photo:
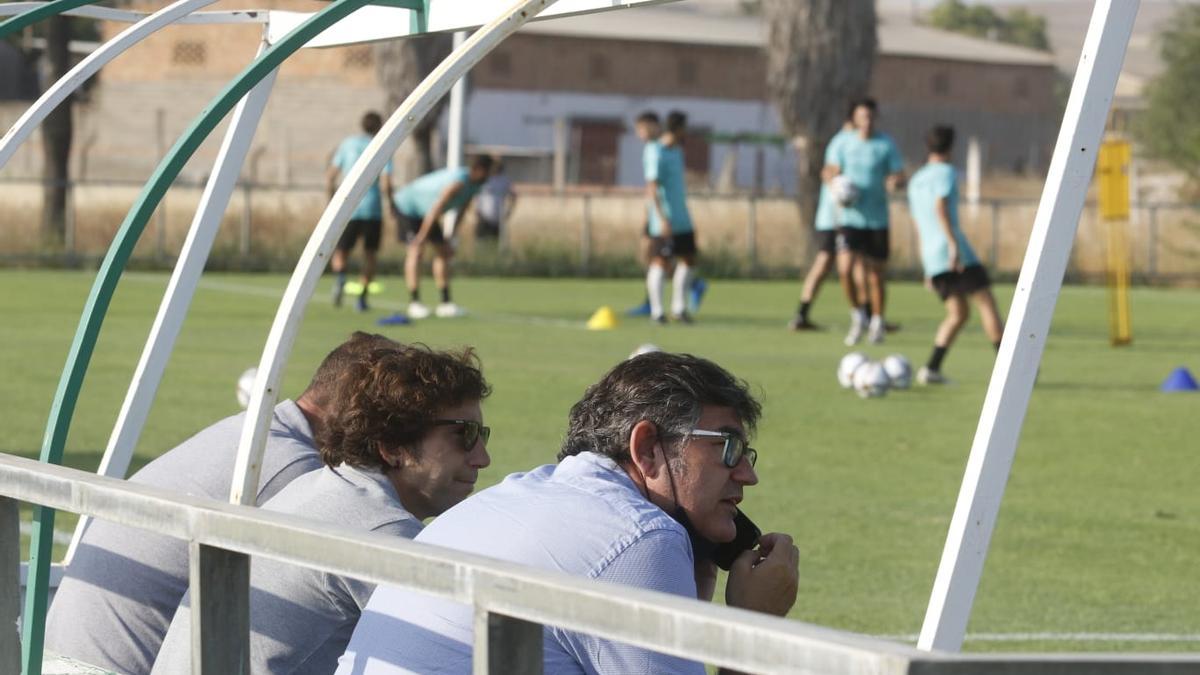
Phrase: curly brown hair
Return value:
(389, 398)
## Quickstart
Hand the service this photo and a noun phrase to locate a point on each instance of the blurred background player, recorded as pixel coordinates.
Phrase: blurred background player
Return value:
(367, 219)
(494, 206)
(870, 160)
(419, 209)
(826, 227)
(951, 268)
(670, 224)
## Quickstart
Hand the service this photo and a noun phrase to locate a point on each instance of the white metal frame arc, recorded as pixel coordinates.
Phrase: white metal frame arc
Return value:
(1032, 309)
(333, 221)
(128, 16)
(181, 288)
(82, 71)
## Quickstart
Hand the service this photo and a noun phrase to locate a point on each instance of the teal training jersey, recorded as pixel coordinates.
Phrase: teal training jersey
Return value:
(418, 197)
(934, 181)
(827, 216)
(665, 165)
(868, 163)
(347, 153)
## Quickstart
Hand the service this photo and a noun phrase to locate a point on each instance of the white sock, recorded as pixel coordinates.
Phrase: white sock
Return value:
(858, 317)
(680, 284)
(654, 288)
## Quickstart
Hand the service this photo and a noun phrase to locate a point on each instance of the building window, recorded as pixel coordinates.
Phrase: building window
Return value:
(500, 63)
(1021, 87)
(358, 57)
(598, 68)
(941, 83)
(189, 53)
(687, 72)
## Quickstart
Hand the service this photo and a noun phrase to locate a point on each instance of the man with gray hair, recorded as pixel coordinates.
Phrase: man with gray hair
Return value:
(649, 479)
(118, 595)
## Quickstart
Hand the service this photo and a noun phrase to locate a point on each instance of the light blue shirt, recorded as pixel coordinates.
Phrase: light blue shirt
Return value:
(584, 517)
(371, 207)
(868, 163)
(826, 208)
(665, 164)
(418, 197)
(934, 181)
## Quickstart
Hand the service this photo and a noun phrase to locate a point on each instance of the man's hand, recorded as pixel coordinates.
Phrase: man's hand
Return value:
(765, 579)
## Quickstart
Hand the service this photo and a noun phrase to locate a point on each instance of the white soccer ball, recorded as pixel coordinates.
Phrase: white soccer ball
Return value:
(870, 380)
(844, 191)
(898, 370)
(647, 348)
(245, 386)
(846, 368)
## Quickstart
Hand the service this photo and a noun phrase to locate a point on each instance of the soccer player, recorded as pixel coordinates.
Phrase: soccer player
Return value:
(419, 208)
(367, 219)
(951, 268)
(871, 162)
(495, 204)
(826, 226)
(671, 233)
(648, 128)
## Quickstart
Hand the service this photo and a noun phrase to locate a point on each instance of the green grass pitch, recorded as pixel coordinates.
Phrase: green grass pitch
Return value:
(1100, 527)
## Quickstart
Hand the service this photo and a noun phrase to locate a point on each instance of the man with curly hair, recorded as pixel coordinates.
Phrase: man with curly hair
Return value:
(403, 441)
(649, 478)
(121, 589)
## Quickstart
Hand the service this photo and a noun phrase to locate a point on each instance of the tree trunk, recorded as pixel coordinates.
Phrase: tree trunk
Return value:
(56, 136)
(401, 65)
(819, 56)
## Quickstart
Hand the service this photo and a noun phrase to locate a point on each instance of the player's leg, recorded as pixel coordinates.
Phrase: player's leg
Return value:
(981, 294)
(337, 261)
(876, 272)
(647, 254)
(656, 274)
(409, 227)
(372, 231)
(849, 264)
(684, 247)
(821, 266)
(442, 268)
(957, 312)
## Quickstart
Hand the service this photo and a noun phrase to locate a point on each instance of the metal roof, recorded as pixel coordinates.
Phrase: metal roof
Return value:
(674, 23)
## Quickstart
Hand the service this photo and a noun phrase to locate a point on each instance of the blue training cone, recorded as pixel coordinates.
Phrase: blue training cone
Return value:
(1180, 379)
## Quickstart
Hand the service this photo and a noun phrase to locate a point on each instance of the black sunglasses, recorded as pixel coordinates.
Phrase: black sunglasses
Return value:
(473, 432)
(735, 448)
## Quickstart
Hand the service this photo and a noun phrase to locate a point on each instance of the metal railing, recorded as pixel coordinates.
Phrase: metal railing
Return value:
(511, 602)
(265, 225)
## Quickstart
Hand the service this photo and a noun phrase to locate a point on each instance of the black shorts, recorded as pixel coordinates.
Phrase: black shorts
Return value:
(971, 280)
(369, 230)
(827, 241)
(874, 244)
(487, 229)
(683, 244)
(409, 227)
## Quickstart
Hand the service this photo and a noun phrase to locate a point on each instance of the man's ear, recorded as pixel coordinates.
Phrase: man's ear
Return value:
(645, 448)
(391, 456)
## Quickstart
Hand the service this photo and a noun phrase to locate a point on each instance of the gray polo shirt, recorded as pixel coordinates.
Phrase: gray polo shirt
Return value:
(121, 589)
(302, 618)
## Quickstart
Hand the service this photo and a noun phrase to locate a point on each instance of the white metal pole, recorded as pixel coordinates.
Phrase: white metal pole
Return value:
(60, 90)
(333, 221)
(1029, 321)
(457, 127)
(182, 286)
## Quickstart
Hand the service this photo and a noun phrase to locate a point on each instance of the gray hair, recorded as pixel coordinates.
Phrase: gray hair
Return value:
(669, 390)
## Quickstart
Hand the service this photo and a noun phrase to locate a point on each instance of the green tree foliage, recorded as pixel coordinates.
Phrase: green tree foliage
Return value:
(1169, 129)
(1019, 26)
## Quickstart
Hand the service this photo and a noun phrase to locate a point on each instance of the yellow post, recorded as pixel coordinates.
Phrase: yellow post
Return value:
(1112, 173)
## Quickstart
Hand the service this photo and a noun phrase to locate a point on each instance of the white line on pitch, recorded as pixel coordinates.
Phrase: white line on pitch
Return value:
(1065, 637)
(261, 291)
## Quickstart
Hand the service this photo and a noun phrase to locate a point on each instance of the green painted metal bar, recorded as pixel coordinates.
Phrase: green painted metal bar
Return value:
(67, 394)
(37, 14)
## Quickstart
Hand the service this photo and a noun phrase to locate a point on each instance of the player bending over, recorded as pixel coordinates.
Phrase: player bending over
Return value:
(951, 268)
(419, 208)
